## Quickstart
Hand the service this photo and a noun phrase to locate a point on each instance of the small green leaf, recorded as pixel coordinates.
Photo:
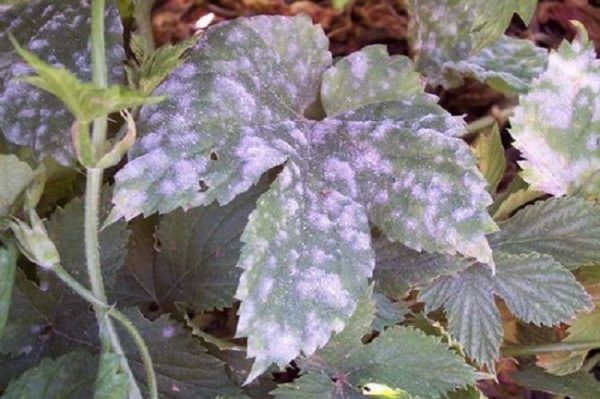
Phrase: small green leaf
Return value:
(33, 117)
(535, 287)
(492, 19)
(567, 228)
(580, 385)
(508, 204)
(14, 178)
(70, 376)
(556, 124)
(490, 156)
(8, 265)
(111, 381)
(387, 313)
(85, 100)
(312, 386)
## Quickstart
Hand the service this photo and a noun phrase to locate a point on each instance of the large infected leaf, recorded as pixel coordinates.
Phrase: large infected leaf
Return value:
(302, 276)
(507, 65)
(70, 376)
(32, 117)
(184, 370)
(394, 162)
(556, 124)
(535, 287)
(567, 228)
(445, 34)
(15, 175)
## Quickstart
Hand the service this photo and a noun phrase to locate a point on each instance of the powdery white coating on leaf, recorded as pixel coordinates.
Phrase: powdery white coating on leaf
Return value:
(367, 77)
(232, 104)
(29, 116)
(556, 124)
(294, 308)
(535, 287)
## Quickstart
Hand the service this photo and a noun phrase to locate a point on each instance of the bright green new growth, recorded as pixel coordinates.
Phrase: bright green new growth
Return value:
(387, 156)
(556, 124)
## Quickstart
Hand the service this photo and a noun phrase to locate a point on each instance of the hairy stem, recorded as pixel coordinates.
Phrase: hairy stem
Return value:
(108, 335)
(549, 348)
(121, 318)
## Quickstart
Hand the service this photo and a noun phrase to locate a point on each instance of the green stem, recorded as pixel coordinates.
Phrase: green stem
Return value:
(549, 348)
(121, 318)
(108, 334)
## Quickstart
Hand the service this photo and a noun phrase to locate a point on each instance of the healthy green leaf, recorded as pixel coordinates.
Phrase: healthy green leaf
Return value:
(68, 377)
(8, 265)
(399, 268)
(567, 228)
(387, 313)
(66, 229)
(492, 19)
(585, 327)
(32, 117)
(580, 385)
(366, 77)
(556, 124)
(199, 250)
(309, 238)
(184, 369)
(490, 156)
(313, 386)
(14, 178)
(508, 65)
(111, 381)
(535, 287)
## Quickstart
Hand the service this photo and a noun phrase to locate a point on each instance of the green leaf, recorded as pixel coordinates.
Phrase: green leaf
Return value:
(580, 385)
(535, 287)
(312, 386)
(492, 19)
(66, 230)
(508, 65)
(44, 320)
(567, 228)
(154, 66)
(387, 313)
(396, 358)
(68, 377)
(556, 124)
(85, 100)
(14, 178)
(367, 77)
(395, 162)
(8, 265)
(585, 327)
(111, 381)
(32, 117)
(490, 156)
(199, 250)
(183, 367)
(399, 268)
(513, 201)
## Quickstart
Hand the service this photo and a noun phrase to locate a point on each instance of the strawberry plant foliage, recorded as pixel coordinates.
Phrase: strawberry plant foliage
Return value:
(307, 251)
